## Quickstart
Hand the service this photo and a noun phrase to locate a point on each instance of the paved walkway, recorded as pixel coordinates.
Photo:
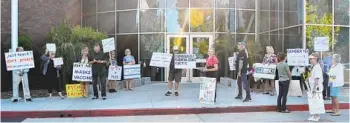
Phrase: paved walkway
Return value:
(151, 96)
(220, 117)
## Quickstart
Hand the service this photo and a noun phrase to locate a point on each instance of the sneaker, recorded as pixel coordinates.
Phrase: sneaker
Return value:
(176, 93)
(247, 100)
(104, 98)
(313, 118)
(310, 118)
(238, 97)
(168, 93)
(29, 100)
(286, 111)
(15, 100)
(94, 98)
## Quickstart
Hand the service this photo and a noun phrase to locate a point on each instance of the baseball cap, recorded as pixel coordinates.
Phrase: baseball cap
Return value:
(313, 56)
(175, 48)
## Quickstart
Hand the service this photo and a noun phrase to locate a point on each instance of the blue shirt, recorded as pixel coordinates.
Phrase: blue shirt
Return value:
(327, 63)
(128, 59)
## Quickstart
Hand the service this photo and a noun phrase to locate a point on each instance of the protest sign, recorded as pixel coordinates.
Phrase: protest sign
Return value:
(51, 47)
(185, 61)
(58, 61)
(264, 71)
(207, 90)
(19, 60)
(82, 72)
(297, 57)
(316, 103)
(132, 71)
(74, 90)
(294, 88)
(114, 73)
(108, 45)
(160, 59)
(321, 44)
(232, 63)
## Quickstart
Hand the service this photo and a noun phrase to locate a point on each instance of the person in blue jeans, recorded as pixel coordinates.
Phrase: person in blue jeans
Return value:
(326, 65)
(128, 60)
(284, 76)
(241, 64)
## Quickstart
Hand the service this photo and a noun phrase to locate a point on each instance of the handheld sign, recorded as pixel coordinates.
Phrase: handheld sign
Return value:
(58, 61)
(114, 73)
(264, 71)
(132, 71)
(108, 45)
(160, 59)
(297, 57)
(231, 63)
(51, 47)
(19, 60)
(82, 72)
(74, 90)
(207, 90)
(185, 61)
(321, 44)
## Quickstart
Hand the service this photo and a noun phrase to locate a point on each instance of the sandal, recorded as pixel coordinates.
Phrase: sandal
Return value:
(335, 114)
(330, 111)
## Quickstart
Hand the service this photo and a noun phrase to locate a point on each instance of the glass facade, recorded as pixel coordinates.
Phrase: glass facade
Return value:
(143, 25)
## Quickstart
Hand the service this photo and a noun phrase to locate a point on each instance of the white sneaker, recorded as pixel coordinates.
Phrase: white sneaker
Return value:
(313, 118)
(310, 118)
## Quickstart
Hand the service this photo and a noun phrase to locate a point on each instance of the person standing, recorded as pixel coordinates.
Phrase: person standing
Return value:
(20, 76)
(327, 63)
(269, 58)
(283, 82)
(99, 65)
(84, 59)
(51, 73)
(336, 75)
(111, 84)
(128, 60)
(315, 80)
(174, 74)
(211, 68)
(241, 65)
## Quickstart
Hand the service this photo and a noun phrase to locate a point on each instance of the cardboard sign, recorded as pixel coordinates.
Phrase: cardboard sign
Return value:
(82, 72)
(74, 90)
(297, 57)
(207, 90)
(232, 63)
(51, 47)
(19, 60)
(108, 45)
(58, 61)
(114, 73)
(132, 71)
(160, 59)
(321, 44)
(316, 103)
(264, 71)
(185, 61)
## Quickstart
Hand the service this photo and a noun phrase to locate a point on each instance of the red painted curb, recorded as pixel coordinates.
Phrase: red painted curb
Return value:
(150, 111)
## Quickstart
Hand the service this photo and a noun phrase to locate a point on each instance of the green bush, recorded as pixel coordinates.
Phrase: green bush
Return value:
(25, 41)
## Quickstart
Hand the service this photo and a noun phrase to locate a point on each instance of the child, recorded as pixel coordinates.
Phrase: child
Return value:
(284, 80)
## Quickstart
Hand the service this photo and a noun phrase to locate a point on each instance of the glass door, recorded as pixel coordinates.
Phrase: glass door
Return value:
(183, 43)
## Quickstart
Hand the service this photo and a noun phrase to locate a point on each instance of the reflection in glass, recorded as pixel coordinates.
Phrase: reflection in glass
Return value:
(245, 4)
(126, 4)
(201, 4)
(342, 45)
(264, 4)
(150, 43)
(341, 12)
(89, 6)
(225, 20)
(246, 22)
(264, 39)
(225, 3)
(154, 3)
(177, 20)
(180, 42)
(124, 42)
(106, 22)
(127, 22)
(152, 20)
(317, 31)
(105, 5)
(200, 46)
(177, 3)
(293, 38)
(201, 20)
(276, 41)
(90, 21)
(264, 21)
(319, 12)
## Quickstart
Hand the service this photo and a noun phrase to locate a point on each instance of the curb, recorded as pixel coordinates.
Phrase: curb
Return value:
(153, 111)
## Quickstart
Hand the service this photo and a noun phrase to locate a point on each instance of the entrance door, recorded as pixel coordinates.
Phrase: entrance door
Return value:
(184, 48)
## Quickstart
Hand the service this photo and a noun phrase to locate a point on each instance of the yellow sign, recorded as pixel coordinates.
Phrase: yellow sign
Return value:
(197, 17)
(73, 90)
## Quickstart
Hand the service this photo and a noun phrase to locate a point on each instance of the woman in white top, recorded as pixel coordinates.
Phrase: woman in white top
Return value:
(336, 81)
(315, 80)
(84, 58)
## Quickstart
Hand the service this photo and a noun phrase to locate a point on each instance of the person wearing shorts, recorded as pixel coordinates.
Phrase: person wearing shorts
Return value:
(174, 74)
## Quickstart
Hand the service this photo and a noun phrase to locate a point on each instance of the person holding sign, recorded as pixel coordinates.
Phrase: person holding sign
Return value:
(99, 70)
(336, 82)
(84, 58)
(211, 67)
(241, 65)
(283, 82)
(111, 84)
(51, 73)
(269, 58)
(128, 60)
(174, 74)
(20, 75)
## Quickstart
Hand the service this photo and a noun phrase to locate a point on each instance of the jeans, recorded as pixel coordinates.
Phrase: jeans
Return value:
(326, 91)
(243, 80)
(103, 85)
(25, 85)
(282, 95)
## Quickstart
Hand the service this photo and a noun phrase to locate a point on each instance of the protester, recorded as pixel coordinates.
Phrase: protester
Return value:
(241, 65)
(336, 74)
(112, 87)
(128, 60)
(20, 75)
(283, 82)
(327, 63)
(269, 58)
(51, 73)
(84, 58)
(315, 80)
(211, 67)
(99, 65)
(174, 74)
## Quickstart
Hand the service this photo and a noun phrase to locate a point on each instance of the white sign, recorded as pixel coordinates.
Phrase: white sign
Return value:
(185, 61)
(82, 72)
(232, 63)
(19, 60)
(132, 71)
(297, 57)
(321, 44)
(51, 47)
(264, 71)
(160, 59)
(108, 45)
(114, 73)
(207, 90)
(58, 61)
(294, 88)
(316, 103)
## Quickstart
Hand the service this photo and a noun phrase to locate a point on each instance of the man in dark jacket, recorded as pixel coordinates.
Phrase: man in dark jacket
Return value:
(174, 74)
(241, 65)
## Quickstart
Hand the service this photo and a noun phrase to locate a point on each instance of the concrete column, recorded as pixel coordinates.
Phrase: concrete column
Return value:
(14, 27)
